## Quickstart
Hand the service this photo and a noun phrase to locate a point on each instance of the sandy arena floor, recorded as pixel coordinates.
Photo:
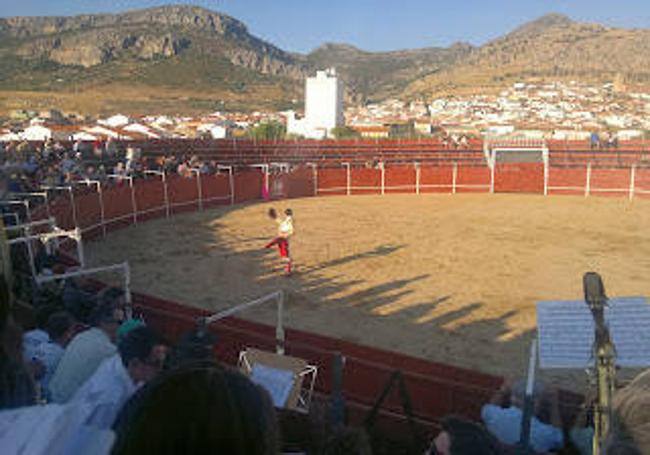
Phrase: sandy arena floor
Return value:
(447, 278)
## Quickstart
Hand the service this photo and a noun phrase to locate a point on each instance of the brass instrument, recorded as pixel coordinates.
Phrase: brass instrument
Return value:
(604, 355)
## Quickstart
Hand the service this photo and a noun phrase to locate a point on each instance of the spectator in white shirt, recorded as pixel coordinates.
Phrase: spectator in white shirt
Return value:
(140, 358)
(86, 352)
(503, 416)
(60, 327)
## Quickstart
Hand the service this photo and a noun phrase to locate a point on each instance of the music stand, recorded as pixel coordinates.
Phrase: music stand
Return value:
(289, 380)
(566, 332)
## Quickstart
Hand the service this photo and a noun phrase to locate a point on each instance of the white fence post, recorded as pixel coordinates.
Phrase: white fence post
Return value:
(454, 176)
(417, 177)
(546, 171)
(492, 177)
(632, 179)
(348, 178)
(73, 207)
(134, 204)
(101, 208)
(588, 182)
(231, 182)
(199, 190)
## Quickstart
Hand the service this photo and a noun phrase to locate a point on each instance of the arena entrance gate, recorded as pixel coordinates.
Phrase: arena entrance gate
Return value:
(522, 169)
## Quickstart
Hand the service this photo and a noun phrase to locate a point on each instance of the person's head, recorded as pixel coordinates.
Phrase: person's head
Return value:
(194, 346)
(114, 296)
(60, 327)
(43, 314)
(272, 213)
(108, 318)
(288, 212)
(200, 408)
(142, 354)
(462, 437)
(630, 428)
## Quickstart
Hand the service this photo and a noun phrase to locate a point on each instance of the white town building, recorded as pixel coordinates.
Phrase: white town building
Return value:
(323, 106)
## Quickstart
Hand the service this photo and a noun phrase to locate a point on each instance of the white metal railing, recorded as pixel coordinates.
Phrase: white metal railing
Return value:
(277, 297)
(588, 189)
(45, 238)
(134, 204)
(123, 267)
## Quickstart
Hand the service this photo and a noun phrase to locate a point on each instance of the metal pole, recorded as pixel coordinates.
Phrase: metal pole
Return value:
(166, 194)
(74, 208)
(198, 188)
(632, 179)
(454, 176)
(80, 248)
(348, 178)
(134, 203)
(101, 208)
(127, 291)
(546, 171)
(279, 328)
(30, 253)
(492, 177)
(588, 182)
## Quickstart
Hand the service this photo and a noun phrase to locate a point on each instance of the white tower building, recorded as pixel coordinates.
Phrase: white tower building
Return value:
(323, 106)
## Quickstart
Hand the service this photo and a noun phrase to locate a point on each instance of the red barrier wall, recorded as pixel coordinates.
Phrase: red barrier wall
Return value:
(603, 181)
(569, 180)
(365, 181)
(332, 181)
(473, 179)
(150, 198)
(642, 183)
(183, 193)
(300, 183)
(436, 179)
(215, 189)
(519, 178)
(248, 186)
(400, 179)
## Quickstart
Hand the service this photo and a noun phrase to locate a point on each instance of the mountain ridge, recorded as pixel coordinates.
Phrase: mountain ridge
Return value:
(183, 52)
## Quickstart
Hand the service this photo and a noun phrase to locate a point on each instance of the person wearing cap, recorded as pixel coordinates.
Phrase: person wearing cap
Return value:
(503, 416)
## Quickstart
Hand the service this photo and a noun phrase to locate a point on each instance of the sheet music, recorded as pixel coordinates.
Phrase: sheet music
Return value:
(277, 382)
(566, 332)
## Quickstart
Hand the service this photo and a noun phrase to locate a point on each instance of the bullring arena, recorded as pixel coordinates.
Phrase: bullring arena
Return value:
(409, 256)
(452, 279)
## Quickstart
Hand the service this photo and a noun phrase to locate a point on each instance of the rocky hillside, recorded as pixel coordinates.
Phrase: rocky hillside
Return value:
(167, 31)
(552, 47)
(167, 59)
(376, 75)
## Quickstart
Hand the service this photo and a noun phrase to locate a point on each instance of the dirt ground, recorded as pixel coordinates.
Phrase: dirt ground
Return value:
(448, 278)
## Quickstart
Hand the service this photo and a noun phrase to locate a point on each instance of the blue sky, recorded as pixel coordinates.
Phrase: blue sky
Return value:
(302, 25)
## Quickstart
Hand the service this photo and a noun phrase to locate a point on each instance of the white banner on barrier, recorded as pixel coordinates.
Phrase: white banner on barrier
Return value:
(566, 332)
